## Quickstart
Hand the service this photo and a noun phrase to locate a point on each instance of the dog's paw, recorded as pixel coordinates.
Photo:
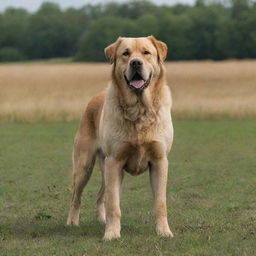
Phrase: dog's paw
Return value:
(111, 235)
(164, 231)
(73, 217)
(73, 221)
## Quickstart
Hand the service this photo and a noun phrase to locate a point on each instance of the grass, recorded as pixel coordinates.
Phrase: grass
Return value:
(211, 194)
(59, 90)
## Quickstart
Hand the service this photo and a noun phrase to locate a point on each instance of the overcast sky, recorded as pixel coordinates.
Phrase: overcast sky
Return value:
(33, 5)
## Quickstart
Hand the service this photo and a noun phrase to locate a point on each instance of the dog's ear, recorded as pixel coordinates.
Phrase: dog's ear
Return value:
(110, 51)
(161, 48)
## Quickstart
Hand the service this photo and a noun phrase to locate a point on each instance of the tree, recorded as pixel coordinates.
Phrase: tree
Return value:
(100, 34)
(238, 7)
(173, 30)
(48, 33)
(75, 23)
(207, 30)
(146, 25)
(13, 26)
(8, 54)
(204, 21)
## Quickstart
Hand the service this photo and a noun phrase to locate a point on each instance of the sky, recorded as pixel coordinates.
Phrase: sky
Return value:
(33, 5)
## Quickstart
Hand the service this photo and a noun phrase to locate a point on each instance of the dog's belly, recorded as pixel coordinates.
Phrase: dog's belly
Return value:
(136, 166)
(137, 163)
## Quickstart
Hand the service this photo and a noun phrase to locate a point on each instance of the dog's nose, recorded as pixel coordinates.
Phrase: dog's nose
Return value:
(136, 63)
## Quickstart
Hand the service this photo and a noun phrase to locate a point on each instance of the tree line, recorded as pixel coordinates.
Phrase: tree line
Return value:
(207, 30)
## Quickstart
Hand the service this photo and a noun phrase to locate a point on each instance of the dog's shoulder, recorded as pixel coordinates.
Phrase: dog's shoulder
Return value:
(96, 102)
(91, 117)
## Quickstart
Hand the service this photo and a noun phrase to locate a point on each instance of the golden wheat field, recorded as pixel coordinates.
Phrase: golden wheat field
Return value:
(59, 92)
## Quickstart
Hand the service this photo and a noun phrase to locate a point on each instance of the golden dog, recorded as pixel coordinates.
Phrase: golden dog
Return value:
(129, 128)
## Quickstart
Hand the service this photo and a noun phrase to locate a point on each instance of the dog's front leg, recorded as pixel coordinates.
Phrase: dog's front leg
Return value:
(158, 179)
(113, 180)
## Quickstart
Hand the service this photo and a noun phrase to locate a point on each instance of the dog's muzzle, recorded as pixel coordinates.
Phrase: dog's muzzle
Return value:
(137, 83)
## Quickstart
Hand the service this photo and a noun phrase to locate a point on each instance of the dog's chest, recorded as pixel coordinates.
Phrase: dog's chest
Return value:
(139, 157)
(137, 162)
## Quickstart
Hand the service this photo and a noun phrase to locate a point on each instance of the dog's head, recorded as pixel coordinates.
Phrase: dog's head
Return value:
(137, 61)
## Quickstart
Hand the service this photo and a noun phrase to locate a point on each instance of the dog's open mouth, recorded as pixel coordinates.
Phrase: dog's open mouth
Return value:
(137, 82)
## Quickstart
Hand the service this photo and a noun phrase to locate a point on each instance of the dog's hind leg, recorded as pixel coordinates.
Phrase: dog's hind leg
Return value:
(100, 197)
(83, 161)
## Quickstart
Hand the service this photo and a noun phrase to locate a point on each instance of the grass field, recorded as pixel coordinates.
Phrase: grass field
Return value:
(211, 194)
(211, 189)
(56, 91)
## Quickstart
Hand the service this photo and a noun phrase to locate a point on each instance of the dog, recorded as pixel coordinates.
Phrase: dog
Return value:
(129, 128)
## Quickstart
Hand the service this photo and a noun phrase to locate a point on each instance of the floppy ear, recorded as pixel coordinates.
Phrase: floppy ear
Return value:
(161, 48)
(110, 51)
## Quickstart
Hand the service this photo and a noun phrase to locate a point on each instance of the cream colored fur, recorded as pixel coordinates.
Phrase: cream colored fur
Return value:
(129, 132)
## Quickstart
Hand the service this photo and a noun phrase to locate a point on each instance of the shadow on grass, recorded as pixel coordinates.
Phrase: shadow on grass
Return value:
(26, 228)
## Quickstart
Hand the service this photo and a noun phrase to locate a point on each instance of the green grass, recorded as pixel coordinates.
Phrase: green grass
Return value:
(211, 194)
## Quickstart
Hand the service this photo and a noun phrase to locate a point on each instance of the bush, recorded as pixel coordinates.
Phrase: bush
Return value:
(10, 54)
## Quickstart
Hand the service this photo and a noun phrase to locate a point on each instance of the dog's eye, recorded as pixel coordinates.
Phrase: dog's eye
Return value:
(146, 52)
(126, 53)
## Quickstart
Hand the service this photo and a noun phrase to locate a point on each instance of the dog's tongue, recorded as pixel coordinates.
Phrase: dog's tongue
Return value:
(137, 83)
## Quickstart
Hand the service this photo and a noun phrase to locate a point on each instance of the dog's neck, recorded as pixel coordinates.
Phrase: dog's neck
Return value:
(139, 106)
(142, 106)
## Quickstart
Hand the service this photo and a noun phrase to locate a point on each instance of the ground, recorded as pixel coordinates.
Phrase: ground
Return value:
(211, 194)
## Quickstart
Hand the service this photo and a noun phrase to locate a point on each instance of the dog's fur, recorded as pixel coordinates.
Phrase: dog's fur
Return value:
(129, 129)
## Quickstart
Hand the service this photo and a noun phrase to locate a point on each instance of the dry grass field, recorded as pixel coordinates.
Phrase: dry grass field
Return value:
(32, 92)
